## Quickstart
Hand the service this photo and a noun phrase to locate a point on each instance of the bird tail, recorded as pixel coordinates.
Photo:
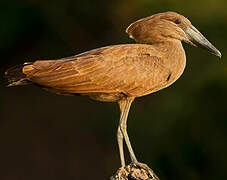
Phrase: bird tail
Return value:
(15, 75)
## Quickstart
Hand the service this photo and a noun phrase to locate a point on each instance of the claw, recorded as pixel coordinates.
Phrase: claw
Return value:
(141, 165)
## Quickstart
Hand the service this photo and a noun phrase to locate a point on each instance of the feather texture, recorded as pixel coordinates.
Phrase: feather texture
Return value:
(132, 69)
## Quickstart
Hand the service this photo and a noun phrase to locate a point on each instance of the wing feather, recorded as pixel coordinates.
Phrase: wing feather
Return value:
(123, 68)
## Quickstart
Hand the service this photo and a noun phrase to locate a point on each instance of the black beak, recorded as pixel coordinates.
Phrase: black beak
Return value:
(197, 39)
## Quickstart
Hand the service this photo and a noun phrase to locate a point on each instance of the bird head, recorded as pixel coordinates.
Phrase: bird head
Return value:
(169, 26)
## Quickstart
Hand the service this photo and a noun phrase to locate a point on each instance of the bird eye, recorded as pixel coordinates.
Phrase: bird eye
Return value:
(177, 21)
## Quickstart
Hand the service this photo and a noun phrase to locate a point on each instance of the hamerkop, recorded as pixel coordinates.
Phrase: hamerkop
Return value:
(120, 73)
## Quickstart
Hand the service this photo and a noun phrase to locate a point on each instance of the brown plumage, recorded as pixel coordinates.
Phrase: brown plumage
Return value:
(121, 72)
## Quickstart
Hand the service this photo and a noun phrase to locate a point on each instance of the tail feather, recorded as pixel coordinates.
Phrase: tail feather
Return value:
(16, 76)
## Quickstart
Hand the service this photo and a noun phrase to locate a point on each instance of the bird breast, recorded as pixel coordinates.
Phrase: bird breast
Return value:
(163, 71)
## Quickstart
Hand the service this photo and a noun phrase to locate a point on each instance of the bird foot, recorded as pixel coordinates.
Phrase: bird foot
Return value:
(135, 171)
(141, 165)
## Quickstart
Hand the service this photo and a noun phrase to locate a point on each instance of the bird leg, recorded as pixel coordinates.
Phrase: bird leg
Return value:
(120, 135)
(135, 170)
(125, 107)
(120, 146)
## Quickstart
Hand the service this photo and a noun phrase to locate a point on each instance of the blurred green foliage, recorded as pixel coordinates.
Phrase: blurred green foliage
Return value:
(180, 131)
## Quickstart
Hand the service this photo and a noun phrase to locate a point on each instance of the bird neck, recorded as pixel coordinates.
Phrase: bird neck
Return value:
(173, 56)
(171, 49)
(169, 46)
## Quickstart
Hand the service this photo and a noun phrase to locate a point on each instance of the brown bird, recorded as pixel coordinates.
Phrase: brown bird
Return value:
(120, 73)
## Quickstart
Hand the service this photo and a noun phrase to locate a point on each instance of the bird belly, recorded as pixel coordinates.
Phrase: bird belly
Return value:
(106, 97)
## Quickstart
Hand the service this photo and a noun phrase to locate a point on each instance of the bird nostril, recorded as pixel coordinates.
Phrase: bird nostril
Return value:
(177, 21)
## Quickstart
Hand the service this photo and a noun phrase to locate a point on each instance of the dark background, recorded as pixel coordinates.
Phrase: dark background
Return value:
(180, 131)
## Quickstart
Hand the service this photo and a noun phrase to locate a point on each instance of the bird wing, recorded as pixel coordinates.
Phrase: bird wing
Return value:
(130, 69)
